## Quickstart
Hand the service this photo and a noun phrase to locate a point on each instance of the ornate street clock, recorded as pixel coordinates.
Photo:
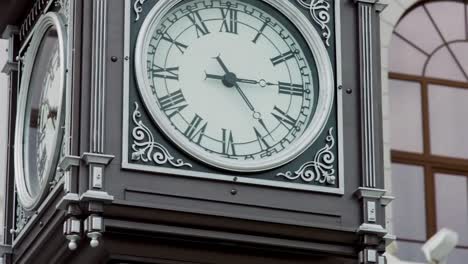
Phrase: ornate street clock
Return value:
(242, 88)
(39, 123)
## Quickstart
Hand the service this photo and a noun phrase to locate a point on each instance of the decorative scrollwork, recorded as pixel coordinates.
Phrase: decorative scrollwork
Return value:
(146, 149)
(138, 8)
(320, 169)
(64, 8)
(319, 10)
(21, 218)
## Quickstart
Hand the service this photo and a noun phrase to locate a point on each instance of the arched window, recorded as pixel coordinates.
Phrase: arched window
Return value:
(428, 93)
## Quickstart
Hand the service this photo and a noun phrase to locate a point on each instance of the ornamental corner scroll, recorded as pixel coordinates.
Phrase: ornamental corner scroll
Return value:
(320, 170)
(138, 8)
(319, 10)
(146, 149)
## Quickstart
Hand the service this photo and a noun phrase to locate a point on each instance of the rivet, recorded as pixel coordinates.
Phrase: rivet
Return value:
(340, 87)
(233, 191)
(349, 91)
(114, 59)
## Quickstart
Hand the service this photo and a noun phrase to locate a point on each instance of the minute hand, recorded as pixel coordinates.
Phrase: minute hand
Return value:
(239, 80)
(249, 104)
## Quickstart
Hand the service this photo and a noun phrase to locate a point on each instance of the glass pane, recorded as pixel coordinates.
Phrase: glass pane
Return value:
(405, 116)
(409, 251)
(409, 213)
(449, 17)
(418, 28)
(448, 113)
(458, 256)
(404, 58)
(452, 204)
(442, 65)
(460, 49)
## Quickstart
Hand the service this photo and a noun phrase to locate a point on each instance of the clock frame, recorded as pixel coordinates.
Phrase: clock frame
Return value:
(27, 198)
(314, 124)
(161, 155)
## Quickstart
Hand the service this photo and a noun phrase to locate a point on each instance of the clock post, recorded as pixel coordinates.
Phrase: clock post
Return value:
(197, 131)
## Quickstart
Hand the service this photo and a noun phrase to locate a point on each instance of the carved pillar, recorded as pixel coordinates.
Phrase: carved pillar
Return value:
(11, 69)
(96, 196)
(372, 229)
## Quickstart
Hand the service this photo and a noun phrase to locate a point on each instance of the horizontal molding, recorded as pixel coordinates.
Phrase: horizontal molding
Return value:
(152, 199)
(228, 237)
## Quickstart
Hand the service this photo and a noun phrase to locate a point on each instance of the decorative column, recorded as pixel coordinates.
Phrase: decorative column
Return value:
(95, 197)
(372, 229)
(11, 69)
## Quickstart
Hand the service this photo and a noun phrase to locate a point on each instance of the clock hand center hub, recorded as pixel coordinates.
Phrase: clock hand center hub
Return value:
(229, 79)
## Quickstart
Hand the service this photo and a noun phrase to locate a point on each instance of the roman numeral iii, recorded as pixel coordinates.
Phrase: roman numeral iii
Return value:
(291, 89)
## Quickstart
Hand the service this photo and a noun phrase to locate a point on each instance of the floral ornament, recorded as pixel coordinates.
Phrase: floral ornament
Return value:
(146, 149)
(138, 8)
(320, 169)
(21, 218)
(319, 12)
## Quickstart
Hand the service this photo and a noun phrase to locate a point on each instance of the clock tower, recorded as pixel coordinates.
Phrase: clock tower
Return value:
(195, 131)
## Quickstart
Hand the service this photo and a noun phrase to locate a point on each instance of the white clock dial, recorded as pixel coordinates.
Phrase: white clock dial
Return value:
(230, 82)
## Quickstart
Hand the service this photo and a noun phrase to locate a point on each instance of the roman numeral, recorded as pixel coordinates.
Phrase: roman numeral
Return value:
(166, 73)
(282, 58)
(195, 131)
(229, 21)
(291, 89)
(285, 119)
(260, 32)
(228, 143)
(173, 103)
(180, 46)
(261, 140)
(199, 24)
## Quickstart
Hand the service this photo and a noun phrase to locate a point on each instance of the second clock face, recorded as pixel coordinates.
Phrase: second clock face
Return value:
(43, 106)
(231, 83)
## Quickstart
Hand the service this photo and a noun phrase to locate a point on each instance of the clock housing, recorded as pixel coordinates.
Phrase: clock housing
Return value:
(209, 121)
(39, 124)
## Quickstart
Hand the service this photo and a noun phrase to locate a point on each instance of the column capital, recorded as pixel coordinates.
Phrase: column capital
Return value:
(372, 2)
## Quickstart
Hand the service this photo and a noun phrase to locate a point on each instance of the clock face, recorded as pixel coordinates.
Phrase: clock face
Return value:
(39, 124)
(232, 83)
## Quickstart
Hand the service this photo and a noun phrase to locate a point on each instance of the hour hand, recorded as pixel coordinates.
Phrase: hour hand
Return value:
(214, 76)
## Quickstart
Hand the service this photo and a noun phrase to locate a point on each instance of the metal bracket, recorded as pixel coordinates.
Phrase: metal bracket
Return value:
(95, 158)
(69, 161)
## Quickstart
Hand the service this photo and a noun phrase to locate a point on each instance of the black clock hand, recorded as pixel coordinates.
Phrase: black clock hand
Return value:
(238, 89)
(262, 82)
(220, 61)
(244, 97)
